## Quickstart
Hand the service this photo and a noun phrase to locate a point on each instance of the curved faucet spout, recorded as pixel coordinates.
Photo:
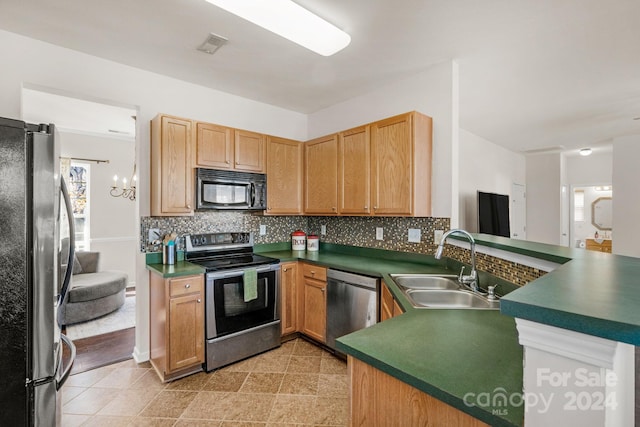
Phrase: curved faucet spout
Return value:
(472, 278)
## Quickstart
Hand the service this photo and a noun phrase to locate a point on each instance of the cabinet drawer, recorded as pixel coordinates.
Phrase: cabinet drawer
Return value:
(185, 285)
(314, 272)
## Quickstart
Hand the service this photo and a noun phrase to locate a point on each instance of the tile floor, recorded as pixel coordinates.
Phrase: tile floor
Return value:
(296, 384)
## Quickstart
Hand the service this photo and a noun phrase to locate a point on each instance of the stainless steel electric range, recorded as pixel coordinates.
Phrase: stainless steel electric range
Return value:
(241, 296)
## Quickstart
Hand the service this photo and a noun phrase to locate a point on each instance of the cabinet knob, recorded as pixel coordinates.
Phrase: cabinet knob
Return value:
(188, 285)
(268, 208)
(322, 290)
(366, 207)
(226, 161)
(313, 273)
(199, 300)
(375, 207)
(188, 206)
(237, 163)
(333, 208)
(285, 269)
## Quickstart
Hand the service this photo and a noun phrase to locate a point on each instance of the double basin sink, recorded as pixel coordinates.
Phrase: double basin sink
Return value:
(441, 291)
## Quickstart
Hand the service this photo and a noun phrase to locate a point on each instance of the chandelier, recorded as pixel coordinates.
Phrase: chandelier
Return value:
(125, 191)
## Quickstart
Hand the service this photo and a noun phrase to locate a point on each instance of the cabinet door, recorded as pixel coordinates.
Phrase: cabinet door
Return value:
(172, 171)
(392, 166)
(354, 171)
(288, 297)
(386, 303)
(186, 331)
(321, 176)
(214, 146)
(315, 309)
(284, 176)
(249, 151)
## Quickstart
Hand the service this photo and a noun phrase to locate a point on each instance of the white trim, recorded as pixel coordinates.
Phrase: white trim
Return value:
(572, 345)
(138, 356)
(540, 264)
(113, 239)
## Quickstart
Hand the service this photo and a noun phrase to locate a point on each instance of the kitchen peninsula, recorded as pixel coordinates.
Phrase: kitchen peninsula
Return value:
(591, 298)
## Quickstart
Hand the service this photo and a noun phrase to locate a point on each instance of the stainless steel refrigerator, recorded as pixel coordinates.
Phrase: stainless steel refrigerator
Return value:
(33, 277)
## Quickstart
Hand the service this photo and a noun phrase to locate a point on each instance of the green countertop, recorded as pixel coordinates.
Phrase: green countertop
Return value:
(180, 268)
(457, 356)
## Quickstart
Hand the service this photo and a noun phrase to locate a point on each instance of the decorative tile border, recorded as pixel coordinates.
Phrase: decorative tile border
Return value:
(351, 231)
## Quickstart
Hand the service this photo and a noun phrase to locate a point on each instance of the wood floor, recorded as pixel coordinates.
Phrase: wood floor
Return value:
(101, 350)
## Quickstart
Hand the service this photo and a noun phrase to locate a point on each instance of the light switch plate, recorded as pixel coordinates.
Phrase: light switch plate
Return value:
(437, 236)
(263, 229)
(323, 230)
(379, 233)
(414, 235)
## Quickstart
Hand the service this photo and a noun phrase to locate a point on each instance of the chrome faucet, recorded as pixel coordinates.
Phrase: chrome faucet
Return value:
(472, 279)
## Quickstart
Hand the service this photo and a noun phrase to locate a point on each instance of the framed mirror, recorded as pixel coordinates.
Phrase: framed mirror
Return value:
(601, 213)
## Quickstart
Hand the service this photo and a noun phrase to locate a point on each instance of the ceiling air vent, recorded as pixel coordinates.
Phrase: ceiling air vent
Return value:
(212, 43)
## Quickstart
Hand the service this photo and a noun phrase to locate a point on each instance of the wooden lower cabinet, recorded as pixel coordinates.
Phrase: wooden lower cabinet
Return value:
(603, 246)
(314, 302)
(389, 307)
(289, 297)
(176, 325)
(379, 400)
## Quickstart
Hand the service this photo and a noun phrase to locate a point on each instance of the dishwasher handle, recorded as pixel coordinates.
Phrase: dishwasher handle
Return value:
(366, 282)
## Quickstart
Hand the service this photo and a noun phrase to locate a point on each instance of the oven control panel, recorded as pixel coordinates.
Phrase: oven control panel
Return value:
(216, 240)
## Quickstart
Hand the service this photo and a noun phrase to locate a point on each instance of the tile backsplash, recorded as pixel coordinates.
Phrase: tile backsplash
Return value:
(352, 231)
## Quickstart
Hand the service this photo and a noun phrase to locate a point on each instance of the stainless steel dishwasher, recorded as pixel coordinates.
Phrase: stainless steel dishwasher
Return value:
(352, 303)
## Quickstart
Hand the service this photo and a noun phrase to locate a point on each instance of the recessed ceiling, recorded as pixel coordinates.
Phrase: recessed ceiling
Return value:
(533, 74)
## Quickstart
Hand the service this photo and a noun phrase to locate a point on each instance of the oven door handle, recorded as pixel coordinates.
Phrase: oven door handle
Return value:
(232, 273)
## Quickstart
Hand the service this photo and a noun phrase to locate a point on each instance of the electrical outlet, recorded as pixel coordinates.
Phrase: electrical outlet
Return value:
(263, 229)
(414, 235)
(437, 236)
(379, 233)
(154, 234)
(323, 230)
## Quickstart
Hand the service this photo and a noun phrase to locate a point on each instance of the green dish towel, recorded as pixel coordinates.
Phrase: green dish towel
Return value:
(250, 284)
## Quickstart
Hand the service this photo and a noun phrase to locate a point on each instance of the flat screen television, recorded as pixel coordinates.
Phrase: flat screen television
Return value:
(493, 214)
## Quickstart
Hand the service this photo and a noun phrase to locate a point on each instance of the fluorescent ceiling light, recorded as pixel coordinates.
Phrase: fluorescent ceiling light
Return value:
(291, 21)
(585, 151)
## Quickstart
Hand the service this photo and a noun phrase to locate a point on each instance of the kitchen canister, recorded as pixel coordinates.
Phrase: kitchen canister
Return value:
(169, 253)
(298, 240)
(313, 243)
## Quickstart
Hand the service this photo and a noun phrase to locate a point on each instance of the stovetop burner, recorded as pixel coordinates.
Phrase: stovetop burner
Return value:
(224, 251)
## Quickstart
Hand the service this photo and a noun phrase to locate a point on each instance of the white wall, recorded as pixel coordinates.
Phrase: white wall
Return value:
(544, 181)
(34, 63)
(433, 92)
(113, 230)
(595, 169)
(626, 197)
(485, 166)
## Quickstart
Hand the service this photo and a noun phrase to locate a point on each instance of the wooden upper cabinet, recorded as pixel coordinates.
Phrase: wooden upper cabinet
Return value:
(214, 146)
(354, 171)
(171, 166)
(284, 176)
(321, 176)
(401, 165)
(221, 147)
(249, 151)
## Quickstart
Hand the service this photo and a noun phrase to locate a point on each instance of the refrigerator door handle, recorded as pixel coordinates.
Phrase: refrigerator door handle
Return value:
(65, 374)
(72, 244)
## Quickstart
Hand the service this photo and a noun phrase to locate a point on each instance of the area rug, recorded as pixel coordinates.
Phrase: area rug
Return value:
(122, 318)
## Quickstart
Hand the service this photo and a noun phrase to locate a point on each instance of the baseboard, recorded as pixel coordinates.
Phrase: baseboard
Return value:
(140, 357)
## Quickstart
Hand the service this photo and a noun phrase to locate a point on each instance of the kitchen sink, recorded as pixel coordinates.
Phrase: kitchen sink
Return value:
(441, 291)
(426, 281)
(447, 298)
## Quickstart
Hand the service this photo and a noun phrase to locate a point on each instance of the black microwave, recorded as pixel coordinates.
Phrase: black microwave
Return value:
(230, 190)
